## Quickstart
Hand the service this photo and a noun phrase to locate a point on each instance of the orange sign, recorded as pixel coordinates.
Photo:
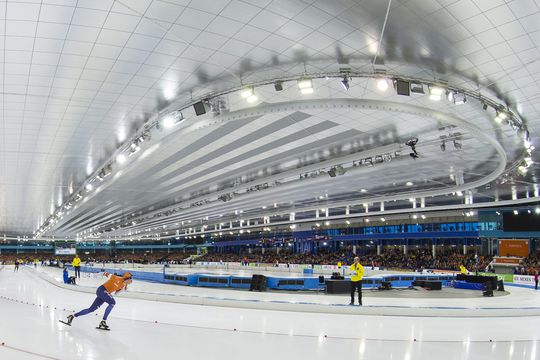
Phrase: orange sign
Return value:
(513, 247)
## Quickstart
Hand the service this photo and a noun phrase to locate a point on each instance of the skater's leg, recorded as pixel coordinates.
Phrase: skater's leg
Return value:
(109, 300)
(95, 305)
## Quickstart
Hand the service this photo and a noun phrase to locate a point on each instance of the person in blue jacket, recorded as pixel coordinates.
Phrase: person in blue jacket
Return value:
(68, 279)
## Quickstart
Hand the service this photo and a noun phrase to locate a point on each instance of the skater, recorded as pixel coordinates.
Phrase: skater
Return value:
(16, 265)
(77, 266)
(357, 273)
(113, 285)
(536, 280)
(68, 279)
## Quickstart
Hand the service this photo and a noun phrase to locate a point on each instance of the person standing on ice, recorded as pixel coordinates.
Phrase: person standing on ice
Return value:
(113, 285)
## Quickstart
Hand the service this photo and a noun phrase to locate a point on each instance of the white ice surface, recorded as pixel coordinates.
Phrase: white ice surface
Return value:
(30, 308)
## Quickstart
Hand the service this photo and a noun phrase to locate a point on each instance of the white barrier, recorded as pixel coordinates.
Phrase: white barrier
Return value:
(524, 280)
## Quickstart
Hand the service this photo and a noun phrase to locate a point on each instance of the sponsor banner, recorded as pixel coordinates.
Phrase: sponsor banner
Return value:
(65, 251)
(513, 247)
(505, 260)
(524, 280)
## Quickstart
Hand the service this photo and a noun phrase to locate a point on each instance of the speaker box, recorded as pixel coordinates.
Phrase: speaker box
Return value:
(258, 283)
(201, 108)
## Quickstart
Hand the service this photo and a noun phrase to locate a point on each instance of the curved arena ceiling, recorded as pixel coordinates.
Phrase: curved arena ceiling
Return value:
(100, 138)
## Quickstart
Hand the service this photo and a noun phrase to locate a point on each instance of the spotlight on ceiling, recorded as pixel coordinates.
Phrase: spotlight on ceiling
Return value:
(458, 98)
(345, 83)
(249, 94)
(305, 85)
(500, 117)
(121, 158)
(417, 88)
(403, 87)
(382, 84)
(435, 93)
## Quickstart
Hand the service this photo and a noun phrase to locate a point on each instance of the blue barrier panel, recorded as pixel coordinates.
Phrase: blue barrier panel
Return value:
(241, 282)
(468, 286)
(213, 280)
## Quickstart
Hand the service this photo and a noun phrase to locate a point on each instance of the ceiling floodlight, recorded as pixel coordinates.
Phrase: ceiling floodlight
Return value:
(501, 116)
(435, 93)
(89, 187)
(345, 83)
(247, 92)
(305, 86)
(458, 98)
(382, 84)
(121, 158)
(168, 122)
(409, 183)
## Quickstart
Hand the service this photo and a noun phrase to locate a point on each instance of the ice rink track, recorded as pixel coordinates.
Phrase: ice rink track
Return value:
(30, 308)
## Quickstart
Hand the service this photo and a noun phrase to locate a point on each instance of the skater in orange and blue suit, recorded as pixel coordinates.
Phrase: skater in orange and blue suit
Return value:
(113, 285)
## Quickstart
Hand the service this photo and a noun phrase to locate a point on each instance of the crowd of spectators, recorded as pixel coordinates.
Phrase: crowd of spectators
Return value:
(155, 257)
(392, 258)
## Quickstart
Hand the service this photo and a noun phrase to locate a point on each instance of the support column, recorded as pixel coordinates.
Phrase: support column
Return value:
(379, 247)
(464, 249)
(433, 250)
(405, 249)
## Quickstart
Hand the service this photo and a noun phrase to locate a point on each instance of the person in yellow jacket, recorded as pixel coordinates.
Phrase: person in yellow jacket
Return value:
(463, 269)
(357, 273)
(77, 266)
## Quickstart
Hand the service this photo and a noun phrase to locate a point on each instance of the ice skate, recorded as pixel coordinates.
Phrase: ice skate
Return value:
(69, 320)
(103, 326)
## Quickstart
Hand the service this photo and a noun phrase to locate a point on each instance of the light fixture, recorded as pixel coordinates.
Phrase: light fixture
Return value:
(89, 187)
(383, 219)
(363, 190)
(382, 84)
(423, 216)
(305, 85)
(415, 216)
(409, 183)
(348, 222)
(247, 92)
(435, 93)
(345, 83)
(516, 212)
(327, 223)
(537, 210)
(121, 158)
(458, 98)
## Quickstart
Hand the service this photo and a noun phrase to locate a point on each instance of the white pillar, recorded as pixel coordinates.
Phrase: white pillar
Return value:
(464, 249)
(354, 249)
(433, 250)
(382, 205)
(405, 249)
(347, 210)
(379, 249)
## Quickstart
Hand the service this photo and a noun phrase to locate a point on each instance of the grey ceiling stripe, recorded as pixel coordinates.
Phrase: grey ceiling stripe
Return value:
(325, 125)
(245, 140)
(293, 152)
(206, 140)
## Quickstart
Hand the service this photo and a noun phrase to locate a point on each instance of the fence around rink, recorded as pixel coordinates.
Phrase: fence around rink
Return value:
(274, 282)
